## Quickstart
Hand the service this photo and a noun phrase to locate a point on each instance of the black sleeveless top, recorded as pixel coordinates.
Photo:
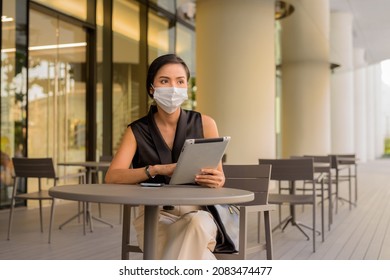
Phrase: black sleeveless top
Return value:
(151, 147)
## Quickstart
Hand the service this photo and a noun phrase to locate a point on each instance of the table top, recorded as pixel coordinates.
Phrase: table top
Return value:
(137, 195)
(347, 160)
(86, 163)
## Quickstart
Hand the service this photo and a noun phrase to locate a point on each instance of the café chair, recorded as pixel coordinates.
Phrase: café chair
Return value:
(322, 171)
(101, 171)
(127, 247)
(344, 168)
(254, 178)
(36, 168)
(294, 170)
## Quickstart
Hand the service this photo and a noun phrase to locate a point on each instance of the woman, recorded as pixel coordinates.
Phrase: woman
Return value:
(151, 146)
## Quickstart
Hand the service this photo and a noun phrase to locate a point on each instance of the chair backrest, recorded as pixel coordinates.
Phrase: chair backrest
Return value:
(321, 163)
(342, 159)
(105, 158)
(254, 178)
(34, 167)
(292, 169)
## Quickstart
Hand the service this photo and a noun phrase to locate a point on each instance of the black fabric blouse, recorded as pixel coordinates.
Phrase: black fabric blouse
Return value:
(151, 147)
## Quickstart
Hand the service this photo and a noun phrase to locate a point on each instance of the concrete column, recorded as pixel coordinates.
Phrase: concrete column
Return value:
(236, 74)
(342, 95)
(375, 113)
(380, 131)
(370, 113)
(360, 105)
(305, 116)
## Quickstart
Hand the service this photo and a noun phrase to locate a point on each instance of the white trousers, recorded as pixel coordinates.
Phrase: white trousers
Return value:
(185, 233)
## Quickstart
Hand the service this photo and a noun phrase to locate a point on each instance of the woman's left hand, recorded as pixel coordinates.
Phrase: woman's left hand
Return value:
(212, 178)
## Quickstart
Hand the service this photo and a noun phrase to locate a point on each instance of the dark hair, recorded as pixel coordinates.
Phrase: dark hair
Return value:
(160, 62)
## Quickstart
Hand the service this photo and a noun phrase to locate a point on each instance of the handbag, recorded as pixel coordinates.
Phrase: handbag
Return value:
(226, 217)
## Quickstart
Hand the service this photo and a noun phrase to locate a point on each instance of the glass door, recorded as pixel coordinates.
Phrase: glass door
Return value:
(13, 96)
(57, 89)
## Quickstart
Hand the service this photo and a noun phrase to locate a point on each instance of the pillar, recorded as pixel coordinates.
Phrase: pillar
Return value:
(360, 105)
(342, 92)
(379, 109)
(375, 113)
(305, 114)
(235, 70)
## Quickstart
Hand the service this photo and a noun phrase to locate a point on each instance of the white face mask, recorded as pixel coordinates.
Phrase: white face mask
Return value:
(170, 98)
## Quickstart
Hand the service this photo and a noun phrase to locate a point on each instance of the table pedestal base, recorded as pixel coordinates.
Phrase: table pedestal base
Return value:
(150, 231)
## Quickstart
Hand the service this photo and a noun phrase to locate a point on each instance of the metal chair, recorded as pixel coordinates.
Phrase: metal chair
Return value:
(342, 163)
(39, 168)
(103, 171)
(322, 173)
(127, 247)
(293, 170)
(253, 178)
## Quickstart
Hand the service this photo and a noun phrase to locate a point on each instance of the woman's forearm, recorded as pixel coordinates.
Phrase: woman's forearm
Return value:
(126, 176)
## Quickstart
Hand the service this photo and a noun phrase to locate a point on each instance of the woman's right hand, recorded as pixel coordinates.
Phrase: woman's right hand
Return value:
(164, 169)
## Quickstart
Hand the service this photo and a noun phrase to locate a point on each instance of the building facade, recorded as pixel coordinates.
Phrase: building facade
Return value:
(73, 73)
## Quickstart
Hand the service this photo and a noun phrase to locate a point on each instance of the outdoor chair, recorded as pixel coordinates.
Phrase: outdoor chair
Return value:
(38, 168)
(254, 178)
(292, 171)
(322, 173)
(344, 168)
(101, 171)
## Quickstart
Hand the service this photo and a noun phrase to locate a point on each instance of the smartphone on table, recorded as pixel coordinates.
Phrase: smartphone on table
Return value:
(152, 184)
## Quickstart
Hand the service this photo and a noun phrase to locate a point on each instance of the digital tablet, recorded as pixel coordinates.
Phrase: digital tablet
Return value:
(197, 154)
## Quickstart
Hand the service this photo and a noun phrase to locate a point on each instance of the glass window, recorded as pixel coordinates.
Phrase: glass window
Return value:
(278, 87)
(99, 84)
(76, 8)
(57, 89)
(186, 10)
(185, 48)
(168, 5)
(126, 65)
(161, 35)
(13, 97)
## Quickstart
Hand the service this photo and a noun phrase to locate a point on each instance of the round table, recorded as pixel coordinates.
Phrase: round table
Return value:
(151, 198)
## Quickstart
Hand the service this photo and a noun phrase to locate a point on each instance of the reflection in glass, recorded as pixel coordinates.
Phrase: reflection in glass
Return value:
(160, 36)
(13, 101)
(185, 48)
(126, 39)
(99, 77)
(186, 10)
(168, 5)
(76, 8)
(56, 105)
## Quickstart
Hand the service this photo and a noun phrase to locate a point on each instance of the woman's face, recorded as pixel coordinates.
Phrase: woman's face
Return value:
(171, 75)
